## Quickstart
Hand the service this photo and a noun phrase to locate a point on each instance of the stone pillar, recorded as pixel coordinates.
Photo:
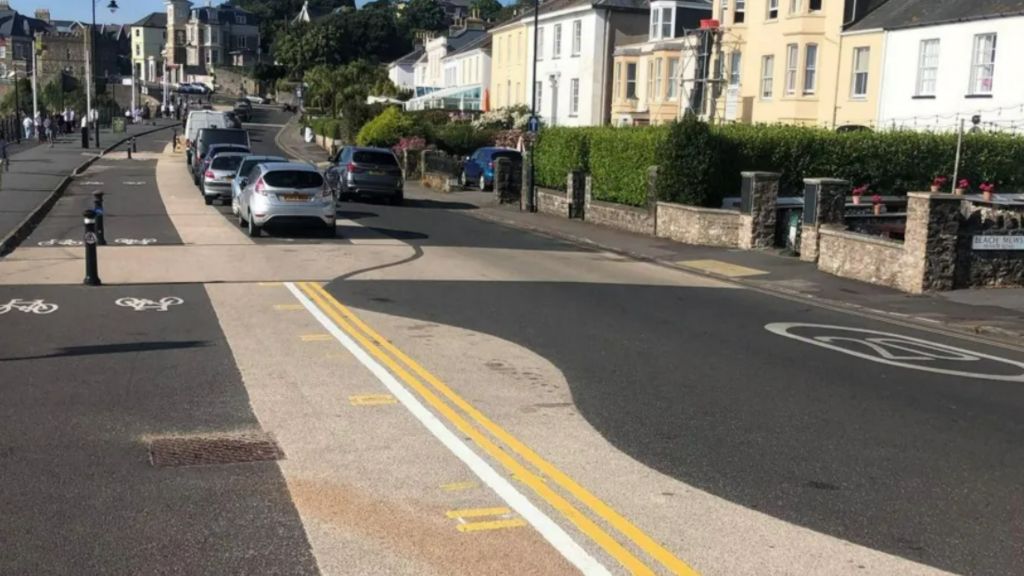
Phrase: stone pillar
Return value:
(588, 192)
(575, 193)
(506, 181)
(930, 244)
(527, 182)
(759, 195)
(424, 155)
(824, 205)
(652, 195)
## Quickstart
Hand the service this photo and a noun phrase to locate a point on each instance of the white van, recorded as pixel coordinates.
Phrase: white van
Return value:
(199, 119)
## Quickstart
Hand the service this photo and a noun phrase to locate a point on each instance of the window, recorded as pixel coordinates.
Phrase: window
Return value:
(773, 9)
(767, 76)
(860, 72)
(666, 23)
(815, 5)
(557, 52)
(739, 15)
(617, 81)
(574, 96)
(655, 16)
(538, 91)
(810, 68)
(983, 64)
(657, 78)
(239, 18)
(631, 81)
(540, 43)
(650, 80)
(927, 67)
(3, 52)
(735, 63)
(577, 37)
(673, 78)
(138, 50)
(792, 65)
(795, 6)
(138, 32)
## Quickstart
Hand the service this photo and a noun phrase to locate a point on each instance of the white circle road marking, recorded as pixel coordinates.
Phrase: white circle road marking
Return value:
(143, 304)
(133, 183)
(897, 349)
(29, 306)
(56, 242)
(135, 241)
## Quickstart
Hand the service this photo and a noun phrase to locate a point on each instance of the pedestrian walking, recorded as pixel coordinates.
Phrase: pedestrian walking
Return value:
(26, 126)
(48, 130)
(85, 131)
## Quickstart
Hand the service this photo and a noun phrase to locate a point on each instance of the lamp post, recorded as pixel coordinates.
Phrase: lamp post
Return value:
(112, 6)
(531, 192)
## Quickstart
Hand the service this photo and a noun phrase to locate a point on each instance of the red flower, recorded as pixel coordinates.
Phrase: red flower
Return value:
(876, 199)
(860, 190)
(987, 187)
(964, 183)
(940, 181)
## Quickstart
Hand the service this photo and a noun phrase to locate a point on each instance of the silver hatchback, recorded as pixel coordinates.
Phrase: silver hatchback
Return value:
(373, 172)
(218, 176)
(285, 193)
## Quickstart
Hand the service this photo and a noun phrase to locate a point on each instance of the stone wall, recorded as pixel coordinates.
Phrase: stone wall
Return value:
(861, 257)
(552, 202)
(234, 82)
(698, 226)
(989, 268)
(628, 218)
(760, 195)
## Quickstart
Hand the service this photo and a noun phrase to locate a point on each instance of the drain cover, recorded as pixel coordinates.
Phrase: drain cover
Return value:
(214, 449)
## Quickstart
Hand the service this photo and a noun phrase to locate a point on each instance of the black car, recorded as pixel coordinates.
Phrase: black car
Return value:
(243, 109)
(210, 136)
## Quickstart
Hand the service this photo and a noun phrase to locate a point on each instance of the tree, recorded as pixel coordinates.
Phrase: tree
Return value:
(425, 15)
(24, 98)
(489, 10)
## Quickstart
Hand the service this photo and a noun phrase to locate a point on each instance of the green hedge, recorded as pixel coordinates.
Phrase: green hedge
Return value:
(558, 152)
(461, 139)
(619, 159)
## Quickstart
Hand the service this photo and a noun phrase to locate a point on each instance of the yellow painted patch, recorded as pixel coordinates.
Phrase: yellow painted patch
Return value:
(316, 337)
(723, 268)
(372, 400)
(478, 512)
(269, 284)
(459, 486)
(491, 525)
(288, 307)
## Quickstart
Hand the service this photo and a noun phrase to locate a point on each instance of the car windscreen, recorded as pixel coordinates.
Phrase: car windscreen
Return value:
(293, 179)
(226, 163)
(511, 154)
(208, 138)
(248, 165)
(372, 157)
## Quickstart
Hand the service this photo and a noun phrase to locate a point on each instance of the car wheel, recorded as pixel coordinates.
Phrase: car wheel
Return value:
(254, 229)
(241, 221)
(208, 200)
(331, 230)
(483, 182)
(462, 179)
(397, 199)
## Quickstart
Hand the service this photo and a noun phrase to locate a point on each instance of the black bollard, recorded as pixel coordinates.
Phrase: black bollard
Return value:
(92, 273)
(134, 147)
(129, 152)
(174, 147)
(97, 202)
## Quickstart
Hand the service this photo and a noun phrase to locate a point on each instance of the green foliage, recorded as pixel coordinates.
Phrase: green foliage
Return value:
(424, 15)
(619, 159)
(489, 10)
(339, 39)
(558, 152)
(688, 170)
(460, 138)
(24, 98)
(386, 129)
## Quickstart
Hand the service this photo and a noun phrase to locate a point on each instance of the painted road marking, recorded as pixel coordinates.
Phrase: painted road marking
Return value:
(40, 306)
(544, 525)
(503, 515)
(490, 525)
(288, 307)
(347, 319)
(478, 512)
(145, 304)
(896, 350)
(722, 268)
(134, 183)
(460, 486)
(316, 337)
(269, 284)
(92, 183)
(372, 400)
(56, 242)
(135, 241)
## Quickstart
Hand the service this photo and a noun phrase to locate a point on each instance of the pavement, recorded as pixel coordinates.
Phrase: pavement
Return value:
(454, 387)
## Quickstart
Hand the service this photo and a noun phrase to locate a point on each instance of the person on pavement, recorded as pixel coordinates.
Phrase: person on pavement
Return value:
(4, 159)
(48, 130)
(26, 125)
(85, 131)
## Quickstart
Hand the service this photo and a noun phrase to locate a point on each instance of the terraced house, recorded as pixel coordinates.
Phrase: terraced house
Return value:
(790, 61)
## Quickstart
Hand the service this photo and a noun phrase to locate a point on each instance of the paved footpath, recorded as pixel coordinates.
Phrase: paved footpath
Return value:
(37, 170)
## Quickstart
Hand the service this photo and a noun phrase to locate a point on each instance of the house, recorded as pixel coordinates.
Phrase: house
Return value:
(16, 33)
(201, 39)
(576, 42)
(442, 79)
(788, 61)
(946, 61)
(402, 72)
(509, 64)
(149, 36)
(657, 80)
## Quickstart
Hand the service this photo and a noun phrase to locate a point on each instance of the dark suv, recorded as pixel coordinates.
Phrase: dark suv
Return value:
(208, 137)
(368, 172)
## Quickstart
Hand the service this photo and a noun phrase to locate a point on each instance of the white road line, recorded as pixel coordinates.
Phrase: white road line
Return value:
(547, 527)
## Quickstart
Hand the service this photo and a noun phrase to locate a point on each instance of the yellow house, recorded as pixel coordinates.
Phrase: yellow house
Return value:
(509, 65)
(789, 61)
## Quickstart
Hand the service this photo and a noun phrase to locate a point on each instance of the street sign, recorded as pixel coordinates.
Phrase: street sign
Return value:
(997, 243)
(90, 238)
(533, 124)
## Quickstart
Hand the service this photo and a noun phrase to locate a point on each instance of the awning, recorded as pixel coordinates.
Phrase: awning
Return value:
(456, 98)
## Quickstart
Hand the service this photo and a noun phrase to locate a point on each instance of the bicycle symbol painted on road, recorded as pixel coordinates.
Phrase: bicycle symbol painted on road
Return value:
(135, 241)
(59, 242)
(145, 304)
(29, 307)
(903, 351)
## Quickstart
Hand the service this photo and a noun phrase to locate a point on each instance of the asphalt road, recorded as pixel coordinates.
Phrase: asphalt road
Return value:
(85, 388)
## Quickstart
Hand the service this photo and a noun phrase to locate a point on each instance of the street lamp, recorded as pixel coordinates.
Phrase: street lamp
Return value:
(531, 192)
(112, 6)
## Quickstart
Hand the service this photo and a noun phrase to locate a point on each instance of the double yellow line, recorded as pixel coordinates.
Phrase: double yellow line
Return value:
(435, 393)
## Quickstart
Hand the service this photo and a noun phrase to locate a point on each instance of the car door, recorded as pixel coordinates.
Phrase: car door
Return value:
(472, 168)
(338, 170)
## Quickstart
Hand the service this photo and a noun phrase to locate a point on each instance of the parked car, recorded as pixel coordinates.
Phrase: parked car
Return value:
(218, 174)
(478, 168)
(285, 192)
(255, 99)
(196, 121)
(243, 109)
(366, 172)
(210, 136)
(233, 120)
(248, 163)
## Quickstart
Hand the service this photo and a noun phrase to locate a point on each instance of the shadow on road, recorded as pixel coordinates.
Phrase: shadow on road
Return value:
(114, 349)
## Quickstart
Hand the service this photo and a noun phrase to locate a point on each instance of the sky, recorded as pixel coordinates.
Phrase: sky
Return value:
(128, 10)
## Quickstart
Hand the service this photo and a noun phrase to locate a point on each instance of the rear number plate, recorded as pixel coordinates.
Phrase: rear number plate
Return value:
(293, 197)
(376, 173)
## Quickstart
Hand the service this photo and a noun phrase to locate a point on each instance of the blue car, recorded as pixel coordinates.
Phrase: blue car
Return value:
(478, 169)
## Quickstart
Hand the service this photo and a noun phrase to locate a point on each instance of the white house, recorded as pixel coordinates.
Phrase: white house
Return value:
(402, 72)
(576, 40)
(149, 35)
(948, 61)
(452, 72)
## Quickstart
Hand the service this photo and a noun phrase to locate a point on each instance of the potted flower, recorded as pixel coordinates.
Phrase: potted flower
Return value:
(962, 186)
(938, 183)
(876, 202)
(987, 188)
(858, 192)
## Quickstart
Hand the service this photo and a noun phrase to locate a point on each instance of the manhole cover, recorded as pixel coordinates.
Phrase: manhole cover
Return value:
(223, 449)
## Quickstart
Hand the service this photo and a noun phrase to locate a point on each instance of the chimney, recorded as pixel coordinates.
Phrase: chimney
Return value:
(42, 14)
(474, 22)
